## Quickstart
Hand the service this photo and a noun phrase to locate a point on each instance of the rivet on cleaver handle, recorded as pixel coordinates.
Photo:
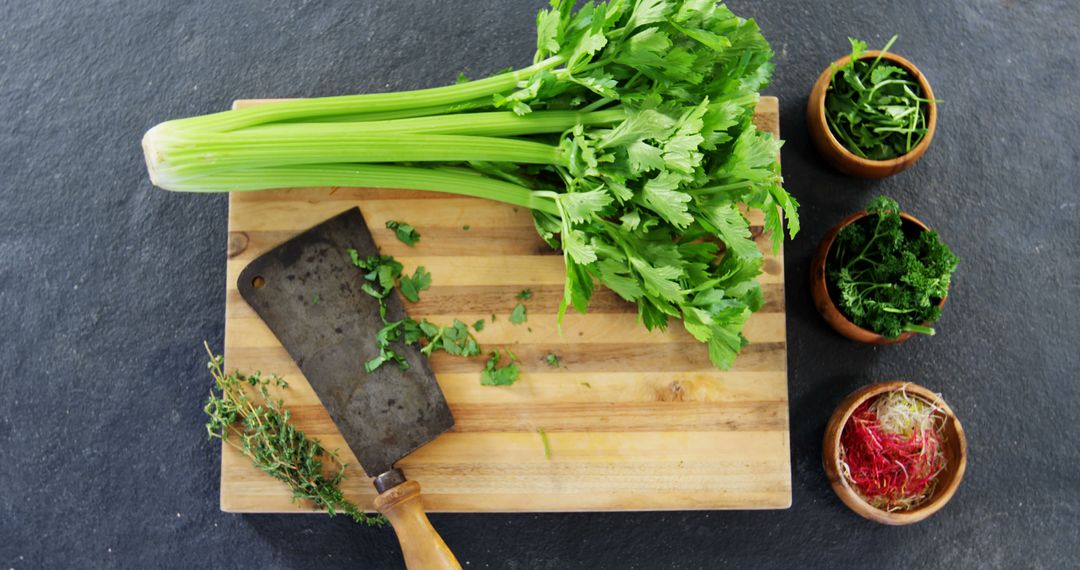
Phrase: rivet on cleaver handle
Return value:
(383, 415)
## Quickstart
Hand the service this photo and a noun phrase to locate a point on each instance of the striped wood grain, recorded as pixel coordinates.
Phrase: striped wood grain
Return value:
(635, 420)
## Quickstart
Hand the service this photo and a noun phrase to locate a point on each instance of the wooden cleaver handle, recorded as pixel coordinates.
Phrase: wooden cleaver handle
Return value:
(422, 546)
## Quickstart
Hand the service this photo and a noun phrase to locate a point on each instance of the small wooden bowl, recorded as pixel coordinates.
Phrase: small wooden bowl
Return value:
(819, 287)
(955, 447)
(836, 153)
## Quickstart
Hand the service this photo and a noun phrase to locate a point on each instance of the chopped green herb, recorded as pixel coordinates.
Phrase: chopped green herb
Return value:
(412, 286)
(889, 281)
(391, 332)
(315, 299)
(260, 428)
(492, 317)
(381, 273)
(552, 360)
(404, 232)
(495, 375)
(455, 339)
(465, 227)
(544, 440)
(586, 384)
(524, 294)
(517, 316)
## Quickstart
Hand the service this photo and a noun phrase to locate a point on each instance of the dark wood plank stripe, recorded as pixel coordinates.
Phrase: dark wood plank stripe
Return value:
(638, 357)
(498, 299)
(437, 241)
(593, 417)
(622, 417)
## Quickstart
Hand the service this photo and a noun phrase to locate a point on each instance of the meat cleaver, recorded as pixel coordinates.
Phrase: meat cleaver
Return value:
(308, 292)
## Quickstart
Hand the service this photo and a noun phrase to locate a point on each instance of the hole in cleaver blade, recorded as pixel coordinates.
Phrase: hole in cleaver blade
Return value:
(310, 297)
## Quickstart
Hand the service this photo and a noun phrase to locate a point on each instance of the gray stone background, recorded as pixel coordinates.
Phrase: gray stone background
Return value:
(108, 286)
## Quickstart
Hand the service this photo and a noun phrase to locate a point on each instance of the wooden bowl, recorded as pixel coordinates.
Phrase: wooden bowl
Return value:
(955, 448)
(819, 287)
(839, 156)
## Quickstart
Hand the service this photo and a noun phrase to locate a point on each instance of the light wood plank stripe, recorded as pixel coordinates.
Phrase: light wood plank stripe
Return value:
(300, 208)
(437, 241)
(422, 213)
(616, 465)
(601, 388)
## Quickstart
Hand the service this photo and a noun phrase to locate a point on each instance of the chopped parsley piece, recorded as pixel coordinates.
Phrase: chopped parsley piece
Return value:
(404, 232)
(517, 316)
(544, 440)
(412, 286)
(495, 375)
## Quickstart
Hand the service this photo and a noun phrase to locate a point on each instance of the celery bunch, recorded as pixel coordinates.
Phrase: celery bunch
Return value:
(629, 137)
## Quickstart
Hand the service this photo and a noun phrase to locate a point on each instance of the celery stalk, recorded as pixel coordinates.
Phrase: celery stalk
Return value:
(448, 180)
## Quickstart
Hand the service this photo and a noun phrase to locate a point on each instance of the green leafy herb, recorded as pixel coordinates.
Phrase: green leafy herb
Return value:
(315, 299)
(406, 330)
(524, 294)
(465, 227)
(630, 138)
(877, 111)
(412, 286)
(890, 280)
(495, 375)
(544, 440)
(517, 316)
(454, 339)
(242, 414)
(381, 273)
(552, 360)
(404, 232)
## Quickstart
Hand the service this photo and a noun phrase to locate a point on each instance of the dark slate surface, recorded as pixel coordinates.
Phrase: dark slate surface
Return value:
(108, 286)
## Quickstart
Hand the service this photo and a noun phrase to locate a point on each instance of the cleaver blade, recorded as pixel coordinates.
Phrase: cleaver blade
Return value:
(308, 292)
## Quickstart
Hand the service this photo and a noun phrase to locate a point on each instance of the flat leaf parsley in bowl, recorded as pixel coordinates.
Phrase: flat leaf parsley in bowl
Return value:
(872, 113)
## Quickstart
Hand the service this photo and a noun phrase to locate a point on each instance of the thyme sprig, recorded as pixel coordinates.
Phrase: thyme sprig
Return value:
(260, 428)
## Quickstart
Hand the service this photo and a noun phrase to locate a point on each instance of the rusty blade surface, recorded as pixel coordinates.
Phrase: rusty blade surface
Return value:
(307, 290)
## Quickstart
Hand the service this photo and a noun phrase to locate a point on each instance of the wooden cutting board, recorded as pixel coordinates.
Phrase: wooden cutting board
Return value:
(635, 420)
